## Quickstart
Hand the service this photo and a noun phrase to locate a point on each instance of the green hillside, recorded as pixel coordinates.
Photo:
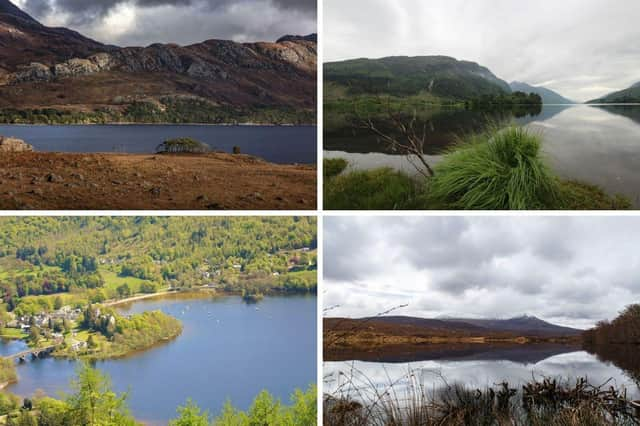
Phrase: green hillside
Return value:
(435, 76)
(626, 96)
(75, 259)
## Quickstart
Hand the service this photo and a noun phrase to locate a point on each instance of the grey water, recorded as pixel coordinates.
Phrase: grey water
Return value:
(361, 378)
(276, 144)
(228, 351)
(599, 145)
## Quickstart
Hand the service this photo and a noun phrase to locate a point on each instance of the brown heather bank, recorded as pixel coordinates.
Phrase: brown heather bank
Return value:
(216, 181)
(381, 335)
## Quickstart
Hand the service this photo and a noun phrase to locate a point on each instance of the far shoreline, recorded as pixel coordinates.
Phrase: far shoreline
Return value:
(270, 125)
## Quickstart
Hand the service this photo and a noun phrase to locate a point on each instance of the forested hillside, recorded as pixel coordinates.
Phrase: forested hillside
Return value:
(114, 257)
(438, 76)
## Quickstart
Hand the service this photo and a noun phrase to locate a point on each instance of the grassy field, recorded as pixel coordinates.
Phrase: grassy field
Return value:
(12, 333)
(112, 281)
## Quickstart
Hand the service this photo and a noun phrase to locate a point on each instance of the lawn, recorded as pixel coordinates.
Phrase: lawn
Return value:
(12, 333)
(112, 281)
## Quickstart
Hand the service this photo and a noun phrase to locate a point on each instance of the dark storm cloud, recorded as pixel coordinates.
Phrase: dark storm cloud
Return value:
(573, 271)
(78, 7)
(141, 22)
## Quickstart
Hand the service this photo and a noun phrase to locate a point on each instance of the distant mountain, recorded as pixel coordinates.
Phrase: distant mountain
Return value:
(523, 324)
(288, 37)
(548, 95)
(626, 96)
(526, 326)
(440, 76)
(42, 67)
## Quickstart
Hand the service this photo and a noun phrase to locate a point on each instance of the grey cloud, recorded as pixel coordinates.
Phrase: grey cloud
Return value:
(573, 270)
(546, 40)
(99, 7)
(185, 22)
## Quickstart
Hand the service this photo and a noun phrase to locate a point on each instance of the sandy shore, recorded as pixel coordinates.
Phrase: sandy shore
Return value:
(67, 181)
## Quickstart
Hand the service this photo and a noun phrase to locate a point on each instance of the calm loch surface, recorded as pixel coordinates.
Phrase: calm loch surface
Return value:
(477, 368)
(228, 351)
(276, 144)
(599, 145)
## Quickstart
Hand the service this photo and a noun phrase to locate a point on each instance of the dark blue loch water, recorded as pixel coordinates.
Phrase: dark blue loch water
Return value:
(277, 144)
(228, 351)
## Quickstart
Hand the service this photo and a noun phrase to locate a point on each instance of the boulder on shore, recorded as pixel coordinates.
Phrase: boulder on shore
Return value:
(14, 145)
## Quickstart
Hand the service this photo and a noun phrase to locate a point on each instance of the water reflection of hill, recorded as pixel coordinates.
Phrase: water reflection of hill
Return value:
(629, 111)
(625, 357)
(547, 113)
(524, 354)
(442, 126)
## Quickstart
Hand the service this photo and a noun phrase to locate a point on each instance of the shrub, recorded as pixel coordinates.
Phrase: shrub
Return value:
(237, 150)
(8, 403)
(379, 189)
(333, 167)
(182, 145)
(495, 170)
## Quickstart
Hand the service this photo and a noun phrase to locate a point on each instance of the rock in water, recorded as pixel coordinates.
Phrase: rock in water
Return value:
(14, 145)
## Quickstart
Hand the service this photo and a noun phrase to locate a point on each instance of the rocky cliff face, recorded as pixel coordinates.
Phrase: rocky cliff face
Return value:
(50, 60)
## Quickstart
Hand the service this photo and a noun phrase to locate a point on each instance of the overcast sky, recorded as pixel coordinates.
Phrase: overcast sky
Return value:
(581, 48)
(570, 271)
(143, 22)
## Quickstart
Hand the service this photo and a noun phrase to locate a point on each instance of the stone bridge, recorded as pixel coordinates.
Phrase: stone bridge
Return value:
(34, 353)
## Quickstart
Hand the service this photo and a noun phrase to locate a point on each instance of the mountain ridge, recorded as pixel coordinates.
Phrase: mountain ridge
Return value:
(628, 95)
(42, 67)
(442, 76)
(517, 326)
(548, 96)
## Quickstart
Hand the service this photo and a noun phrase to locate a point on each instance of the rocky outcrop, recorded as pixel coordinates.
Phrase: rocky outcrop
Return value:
(14, 145)
(213, 59)
(72, 68)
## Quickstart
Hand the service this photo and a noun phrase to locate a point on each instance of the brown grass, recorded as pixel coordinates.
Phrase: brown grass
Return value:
(153, 182)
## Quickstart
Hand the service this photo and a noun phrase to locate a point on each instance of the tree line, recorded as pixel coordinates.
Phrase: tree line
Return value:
(624, 329)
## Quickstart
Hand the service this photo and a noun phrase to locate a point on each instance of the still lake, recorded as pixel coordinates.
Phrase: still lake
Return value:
(276, 144)
(228, 351)
(599, 145)
(475, 368)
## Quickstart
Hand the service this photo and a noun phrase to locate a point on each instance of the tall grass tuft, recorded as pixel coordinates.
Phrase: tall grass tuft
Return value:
(495, 170)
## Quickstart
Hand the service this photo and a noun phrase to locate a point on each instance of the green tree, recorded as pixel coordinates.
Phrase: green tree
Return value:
(95, 403)
(57, 303)
(305, 408)
(52, 412)
(91, 343)
(191, 415)
(264, 410)
(8, 402)
(124, 290)
(25, 418)
(34, 334)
